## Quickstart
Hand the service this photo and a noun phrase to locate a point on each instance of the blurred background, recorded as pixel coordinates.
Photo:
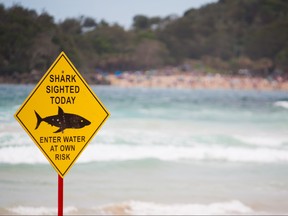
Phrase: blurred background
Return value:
(236, 37)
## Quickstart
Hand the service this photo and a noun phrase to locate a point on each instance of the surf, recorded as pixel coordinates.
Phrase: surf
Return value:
(283, 104)
(176, 154)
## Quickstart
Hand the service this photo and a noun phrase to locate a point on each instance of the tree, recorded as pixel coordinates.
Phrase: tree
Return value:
(141, 22)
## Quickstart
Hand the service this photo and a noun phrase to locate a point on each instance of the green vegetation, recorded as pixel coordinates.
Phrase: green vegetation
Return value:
(226, 36)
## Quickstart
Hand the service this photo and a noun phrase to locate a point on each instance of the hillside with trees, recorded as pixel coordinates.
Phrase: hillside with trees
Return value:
(225, 36)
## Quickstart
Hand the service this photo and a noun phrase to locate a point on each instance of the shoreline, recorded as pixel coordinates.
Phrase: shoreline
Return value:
(168, 79)
(196, 81)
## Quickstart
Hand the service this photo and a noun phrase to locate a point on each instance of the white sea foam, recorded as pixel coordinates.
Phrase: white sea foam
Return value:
(145, 208)
(180, 153)
(283, 104)
(18, 155)
(14, 139)
(149, 208)
(262, 141)
(28, 210)
(105, 152)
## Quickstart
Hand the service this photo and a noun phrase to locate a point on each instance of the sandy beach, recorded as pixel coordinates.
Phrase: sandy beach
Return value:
(194, 80)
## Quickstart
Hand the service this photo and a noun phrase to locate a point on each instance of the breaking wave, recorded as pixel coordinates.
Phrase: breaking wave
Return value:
(104, 152)
(145, 208)
(28, 210)
(283, 104)
(150, 208)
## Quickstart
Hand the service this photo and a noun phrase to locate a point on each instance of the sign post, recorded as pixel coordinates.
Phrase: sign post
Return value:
(60, 195)
(61, 115)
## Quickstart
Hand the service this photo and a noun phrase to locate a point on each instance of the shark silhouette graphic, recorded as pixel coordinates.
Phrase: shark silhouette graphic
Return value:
(63, 120)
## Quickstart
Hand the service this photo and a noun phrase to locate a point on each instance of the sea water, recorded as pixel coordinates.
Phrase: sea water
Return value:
(162, 151)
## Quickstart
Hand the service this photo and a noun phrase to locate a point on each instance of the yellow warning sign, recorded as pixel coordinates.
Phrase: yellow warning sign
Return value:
(62, 114)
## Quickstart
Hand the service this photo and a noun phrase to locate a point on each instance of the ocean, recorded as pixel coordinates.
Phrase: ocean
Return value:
(161, 152)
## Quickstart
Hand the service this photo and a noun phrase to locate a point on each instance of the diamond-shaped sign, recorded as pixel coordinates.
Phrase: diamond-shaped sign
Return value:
(62, 114)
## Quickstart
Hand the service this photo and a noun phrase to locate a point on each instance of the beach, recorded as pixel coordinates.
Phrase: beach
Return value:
(169, 77)
(180, 111)
(175, 78)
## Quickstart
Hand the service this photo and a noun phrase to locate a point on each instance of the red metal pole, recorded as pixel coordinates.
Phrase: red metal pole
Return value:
(60, 196)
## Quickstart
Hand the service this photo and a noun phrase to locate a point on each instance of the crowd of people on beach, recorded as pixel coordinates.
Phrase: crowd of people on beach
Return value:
(175, 78)
(171, 77)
